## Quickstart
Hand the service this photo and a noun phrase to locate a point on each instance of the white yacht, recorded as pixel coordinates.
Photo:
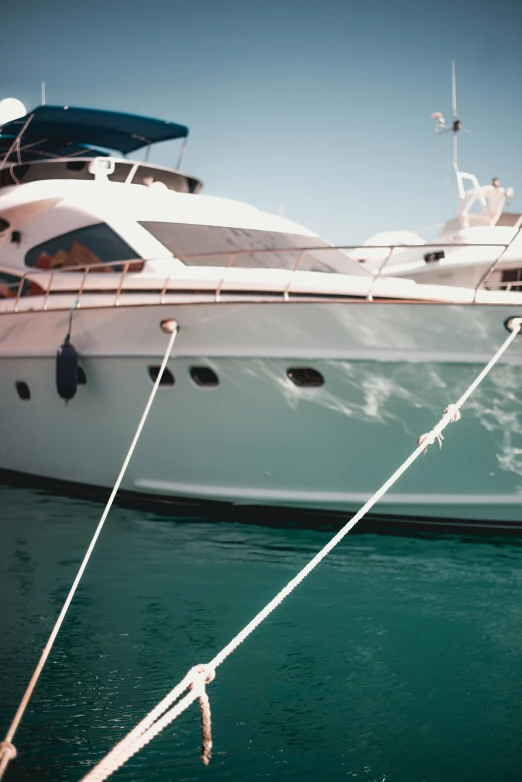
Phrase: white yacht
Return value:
(481, 247)
(298, 379)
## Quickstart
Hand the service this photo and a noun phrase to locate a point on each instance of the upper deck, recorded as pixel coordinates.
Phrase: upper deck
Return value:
(62, 142)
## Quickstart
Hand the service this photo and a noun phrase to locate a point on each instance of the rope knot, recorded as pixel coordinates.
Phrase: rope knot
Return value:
(7, 749)
(204, 670)
(429, 438)
(454, 411)
(202, 675)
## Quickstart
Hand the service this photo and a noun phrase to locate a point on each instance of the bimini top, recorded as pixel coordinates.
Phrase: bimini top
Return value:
(57, 127)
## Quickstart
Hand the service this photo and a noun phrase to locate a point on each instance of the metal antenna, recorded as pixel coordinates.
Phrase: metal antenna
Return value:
(454, 128)
(453, 91)
(43, 93)
(454, 115)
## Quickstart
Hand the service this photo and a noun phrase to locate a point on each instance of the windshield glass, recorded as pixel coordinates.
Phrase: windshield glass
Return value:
(208, 245)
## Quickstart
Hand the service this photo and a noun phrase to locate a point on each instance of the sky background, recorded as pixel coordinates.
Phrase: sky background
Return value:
(320, 105)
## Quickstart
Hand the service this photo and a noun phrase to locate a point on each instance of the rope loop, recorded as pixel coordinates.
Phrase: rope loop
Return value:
(201, 676)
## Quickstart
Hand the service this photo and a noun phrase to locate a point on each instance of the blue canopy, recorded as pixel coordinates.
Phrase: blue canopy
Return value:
(61, 125)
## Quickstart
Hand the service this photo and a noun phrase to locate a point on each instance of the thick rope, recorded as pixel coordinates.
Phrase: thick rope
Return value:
(204, 708)
(199, 676)
(7, 753)
(6, 747)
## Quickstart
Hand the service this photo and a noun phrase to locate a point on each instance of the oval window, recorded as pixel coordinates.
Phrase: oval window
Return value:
(167, 378)
(305, 376)
(204, 376)
(22, 389)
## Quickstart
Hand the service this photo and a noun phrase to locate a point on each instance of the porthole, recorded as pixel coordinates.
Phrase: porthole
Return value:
(167, 377)
(204, 376)
(22, 390)
(82, 377)
(305, 376)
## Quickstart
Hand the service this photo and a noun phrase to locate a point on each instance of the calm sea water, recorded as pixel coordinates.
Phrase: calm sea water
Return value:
(400, 658)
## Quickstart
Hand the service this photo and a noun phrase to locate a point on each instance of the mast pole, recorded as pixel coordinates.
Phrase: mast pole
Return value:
(454, 116)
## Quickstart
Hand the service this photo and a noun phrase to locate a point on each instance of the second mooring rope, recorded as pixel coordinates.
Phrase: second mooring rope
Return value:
(7, 749)
(198, 677)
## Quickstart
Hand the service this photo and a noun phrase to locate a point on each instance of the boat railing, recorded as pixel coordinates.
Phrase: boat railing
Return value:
(46, 282)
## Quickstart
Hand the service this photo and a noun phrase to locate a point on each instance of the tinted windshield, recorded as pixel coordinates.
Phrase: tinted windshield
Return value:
(208, 245)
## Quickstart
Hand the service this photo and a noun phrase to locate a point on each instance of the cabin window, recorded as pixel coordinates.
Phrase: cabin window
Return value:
(89, 246)
(210, 245)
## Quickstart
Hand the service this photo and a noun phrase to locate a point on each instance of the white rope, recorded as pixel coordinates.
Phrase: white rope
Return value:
(199, 676)
(7, 749)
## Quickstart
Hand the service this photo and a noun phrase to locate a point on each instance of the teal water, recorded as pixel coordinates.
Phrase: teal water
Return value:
(399, 658)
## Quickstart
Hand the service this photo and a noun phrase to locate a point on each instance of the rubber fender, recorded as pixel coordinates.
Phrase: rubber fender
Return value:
(67, 371)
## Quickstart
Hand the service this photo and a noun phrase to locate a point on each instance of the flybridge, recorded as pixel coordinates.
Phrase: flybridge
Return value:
(65, 131)
(68, 140)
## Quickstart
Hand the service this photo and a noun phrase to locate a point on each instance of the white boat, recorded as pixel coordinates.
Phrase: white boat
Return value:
(298, 379)
(480, 247)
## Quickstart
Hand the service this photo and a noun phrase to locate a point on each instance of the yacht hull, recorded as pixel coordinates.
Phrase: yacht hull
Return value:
(389, 369)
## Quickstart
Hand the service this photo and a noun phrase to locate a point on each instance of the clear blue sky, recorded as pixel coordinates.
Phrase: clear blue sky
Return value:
(321, 105)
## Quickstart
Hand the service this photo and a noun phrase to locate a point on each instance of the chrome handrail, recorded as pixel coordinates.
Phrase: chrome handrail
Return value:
(120, 286)
(84, 278)
(164, 290)
(125, 266)
(19, 292)
(217, 295)
(92, 267)
(379, 272)
(286, 292)
(48, 289)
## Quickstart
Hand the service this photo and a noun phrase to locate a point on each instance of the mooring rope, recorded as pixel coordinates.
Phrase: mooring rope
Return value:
(198, 677)
(7, 749)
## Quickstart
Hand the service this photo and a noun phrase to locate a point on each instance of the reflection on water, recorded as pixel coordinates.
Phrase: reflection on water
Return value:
(398, 659)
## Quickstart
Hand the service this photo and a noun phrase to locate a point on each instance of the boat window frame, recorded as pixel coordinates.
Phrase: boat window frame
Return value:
(114, 265)
(233, 249)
